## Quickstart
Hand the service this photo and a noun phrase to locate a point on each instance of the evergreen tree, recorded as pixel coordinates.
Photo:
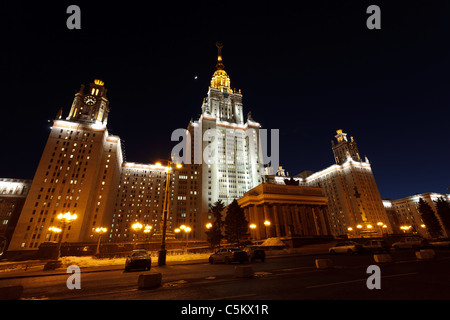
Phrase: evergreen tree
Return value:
(236, 225)
(443, 211)
(214, 234)
(429, 218)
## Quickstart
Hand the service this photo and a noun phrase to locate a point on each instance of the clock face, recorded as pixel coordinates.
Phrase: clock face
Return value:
(90, 100)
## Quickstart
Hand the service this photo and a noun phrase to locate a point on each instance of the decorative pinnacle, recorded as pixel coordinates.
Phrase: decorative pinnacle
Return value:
(219, 64)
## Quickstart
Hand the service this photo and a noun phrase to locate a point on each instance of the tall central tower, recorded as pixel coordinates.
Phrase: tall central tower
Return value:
(231, 146)
(222, 102)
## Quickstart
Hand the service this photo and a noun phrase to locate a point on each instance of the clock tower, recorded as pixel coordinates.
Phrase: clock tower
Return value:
(90, 106)
(79, 173)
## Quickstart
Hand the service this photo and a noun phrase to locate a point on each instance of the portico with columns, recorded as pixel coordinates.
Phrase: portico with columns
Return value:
(285, 211)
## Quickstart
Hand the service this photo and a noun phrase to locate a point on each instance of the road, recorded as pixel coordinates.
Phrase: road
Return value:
(292, 277)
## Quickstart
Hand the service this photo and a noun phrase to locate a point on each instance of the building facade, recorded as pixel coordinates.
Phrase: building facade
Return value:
(409, 217)
(139, 199)
(355, 207)
(274, 210)
(79, 172)
(13, 193)
(223, 150)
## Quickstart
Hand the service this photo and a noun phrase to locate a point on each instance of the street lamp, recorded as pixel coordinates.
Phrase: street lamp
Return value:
(162, 252)
(405, 228)
(267, 224)
(54, 229)
(100, 231)
(187, 230)
(65, 219)
(136, 227)
(148, 229)
(252, 226)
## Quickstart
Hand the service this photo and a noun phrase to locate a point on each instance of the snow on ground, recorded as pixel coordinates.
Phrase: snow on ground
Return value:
(89, 261)
(272, 242)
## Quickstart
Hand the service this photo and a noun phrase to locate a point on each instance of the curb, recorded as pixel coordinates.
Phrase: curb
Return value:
(93, 269)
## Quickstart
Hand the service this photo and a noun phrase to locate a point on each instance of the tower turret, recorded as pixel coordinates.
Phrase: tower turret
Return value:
(344, 149)
(91, 105)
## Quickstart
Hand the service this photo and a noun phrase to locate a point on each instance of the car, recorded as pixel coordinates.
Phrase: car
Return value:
(228, 255)
(348, 247)
(138, 259)
(254, 253)
(441, 243)
(376, 246)
(410, 243)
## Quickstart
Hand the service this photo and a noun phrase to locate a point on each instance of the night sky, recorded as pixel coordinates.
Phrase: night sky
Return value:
(307, 69)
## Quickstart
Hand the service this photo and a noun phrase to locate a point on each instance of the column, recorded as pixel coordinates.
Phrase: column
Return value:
(267, 218)
(257, 222)
(277, 220)
(304, 220)
(316, 220)
(326, 220)
(297, 220)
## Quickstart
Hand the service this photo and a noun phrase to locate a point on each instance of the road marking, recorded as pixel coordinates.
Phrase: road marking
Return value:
(235, 297)
(358, 280)
(293, 269)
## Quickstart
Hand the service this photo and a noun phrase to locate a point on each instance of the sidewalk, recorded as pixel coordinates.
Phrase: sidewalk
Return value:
(34, 268)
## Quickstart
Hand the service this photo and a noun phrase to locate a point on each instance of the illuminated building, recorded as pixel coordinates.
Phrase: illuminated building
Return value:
(185, 200)
(140, 198)
(354, 202)
(13, 193)
(285, 211)
(409, 216)
(234, 167)
(78, 172)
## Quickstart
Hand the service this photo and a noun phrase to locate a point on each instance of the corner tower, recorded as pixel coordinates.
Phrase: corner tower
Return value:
(79, 172)
(90, 106)
(344, 149)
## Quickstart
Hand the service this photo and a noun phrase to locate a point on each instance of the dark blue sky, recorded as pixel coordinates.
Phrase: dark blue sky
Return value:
(307, 69)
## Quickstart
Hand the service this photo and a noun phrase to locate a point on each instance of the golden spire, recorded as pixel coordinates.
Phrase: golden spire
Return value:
(220, 79)
(219, 64)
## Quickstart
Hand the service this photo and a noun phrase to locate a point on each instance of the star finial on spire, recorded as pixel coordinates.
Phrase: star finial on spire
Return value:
(219, 64)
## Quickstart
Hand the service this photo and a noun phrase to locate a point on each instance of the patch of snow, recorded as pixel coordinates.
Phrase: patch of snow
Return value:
(272, 242)
(88, 261)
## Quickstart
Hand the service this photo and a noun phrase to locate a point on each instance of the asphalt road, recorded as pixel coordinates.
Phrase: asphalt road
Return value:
(279, 278)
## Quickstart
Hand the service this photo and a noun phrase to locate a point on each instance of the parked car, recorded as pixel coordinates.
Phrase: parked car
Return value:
(410, 243)
(376, 246)
(349, 247)
(138, 259)
(441, 243)
(228, 255)
(254, 253)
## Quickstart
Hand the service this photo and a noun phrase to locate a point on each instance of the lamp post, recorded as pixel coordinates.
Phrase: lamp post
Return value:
(100, 231)
(267, 224)
(54, 229)
(136, 227)
(252, 226)
(187, 230)
(147, 230)
(162, 252)
(65, 219)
